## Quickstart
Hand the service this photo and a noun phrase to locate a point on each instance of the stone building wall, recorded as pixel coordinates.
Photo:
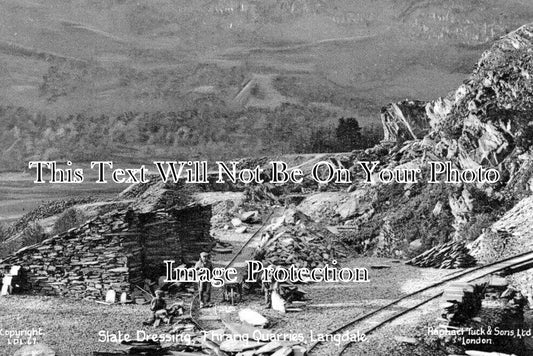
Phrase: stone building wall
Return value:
(181, 235)
(113, 251)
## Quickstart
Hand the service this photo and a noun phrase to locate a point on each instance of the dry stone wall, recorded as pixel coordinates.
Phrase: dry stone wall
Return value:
(113, 251)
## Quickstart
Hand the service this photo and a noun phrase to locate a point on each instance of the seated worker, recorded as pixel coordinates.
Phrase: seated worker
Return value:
(158, 306)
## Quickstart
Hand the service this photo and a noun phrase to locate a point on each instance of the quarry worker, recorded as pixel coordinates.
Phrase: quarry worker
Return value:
(204, 288)
(1, 279)
(267, 286)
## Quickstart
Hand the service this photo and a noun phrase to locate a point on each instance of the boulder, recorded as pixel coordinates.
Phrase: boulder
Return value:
(238, 345)
(236, 222)
(278, 303)
(415, 245)
(252, 317)
(35, 350)
(405, 120)
(250, 216)
(241, 229)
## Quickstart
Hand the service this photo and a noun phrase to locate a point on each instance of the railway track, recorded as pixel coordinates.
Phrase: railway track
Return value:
(369, 322)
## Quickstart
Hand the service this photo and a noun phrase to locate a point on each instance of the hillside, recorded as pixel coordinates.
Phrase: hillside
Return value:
(137, 80)
(114, 56)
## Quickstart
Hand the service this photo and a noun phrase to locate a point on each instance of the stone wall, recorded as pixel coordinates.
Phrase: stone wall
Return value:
(113, 251)
(180, 235)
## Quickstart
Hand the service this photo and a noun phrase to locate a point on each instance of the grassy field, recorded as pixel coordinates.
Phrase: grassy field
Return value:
(19, 194)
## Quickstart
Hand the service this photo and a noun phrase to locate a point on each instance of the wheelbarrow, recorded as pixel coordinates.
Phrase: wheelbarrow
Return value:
(233, 291)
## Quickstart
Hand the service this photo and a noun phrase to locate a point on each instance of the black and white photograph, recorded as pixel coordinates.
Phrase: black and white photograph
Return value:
(266, 177)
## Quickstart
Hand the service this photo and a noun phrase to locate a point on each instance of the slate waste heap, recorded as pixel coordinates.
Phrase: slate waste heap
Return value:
(294, 239)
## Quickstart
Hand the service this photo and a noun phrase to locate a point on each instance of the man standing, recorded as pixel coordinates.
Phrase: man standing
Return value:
(204, 288)
(267, 286)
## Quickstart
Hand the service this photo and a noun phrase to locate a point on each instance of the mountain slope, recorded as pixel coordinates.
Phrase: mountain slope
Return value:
(122, 52)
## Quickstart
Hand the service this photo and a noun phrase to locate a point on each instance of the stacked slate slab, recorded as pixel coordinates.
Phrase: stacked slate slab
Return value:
(453, 254)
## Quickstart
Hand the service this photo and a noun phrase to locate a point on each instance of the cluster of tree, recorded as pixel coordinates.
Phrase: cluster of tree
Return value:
(205, 133)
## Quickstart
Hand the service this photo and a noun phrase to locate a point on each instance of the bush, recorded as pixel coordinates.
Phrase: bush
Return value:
(7, 248)
(348, 134)
(33, 234)
(69, 219)
(4, 232)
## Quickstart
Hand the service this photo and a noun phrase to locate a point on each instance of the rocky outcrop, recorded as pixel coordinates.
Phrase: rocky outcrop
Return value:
(485, 123)
(489, 119)
(403, 121)
(336, 206)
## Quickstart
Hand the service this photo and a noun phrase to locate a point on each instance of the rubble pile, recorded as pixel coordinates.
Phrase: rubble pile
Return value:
(293, 239)
(500, 291)
(511, 235)
(337, 207)
(263, 192)
(476, 308)
(222, 213)
(453, 254)
(461, 301)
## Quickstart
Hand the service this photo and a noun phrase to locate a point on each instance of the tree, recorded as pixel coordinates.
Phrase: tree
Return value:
(322, 139)
(348, 134)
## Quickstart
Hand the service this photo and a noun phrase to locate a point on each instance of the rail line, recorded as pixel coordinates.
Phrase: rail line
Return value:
(375, 319)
